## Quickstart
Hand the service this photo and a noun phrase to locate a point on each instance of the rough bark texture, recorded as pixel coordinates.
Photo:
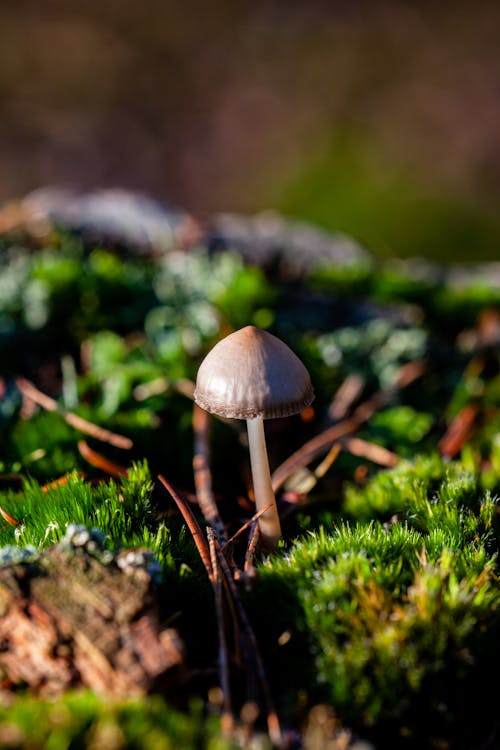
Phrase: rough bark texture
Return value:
(70, 620)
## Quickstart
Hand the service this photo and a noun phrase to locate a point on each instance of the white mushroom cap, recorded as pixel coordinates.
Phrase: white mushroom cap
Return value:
(250, 374)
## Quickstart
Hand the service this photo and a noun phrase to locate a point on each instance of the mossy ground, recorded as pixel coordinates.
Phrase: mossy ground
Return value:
(382, 601)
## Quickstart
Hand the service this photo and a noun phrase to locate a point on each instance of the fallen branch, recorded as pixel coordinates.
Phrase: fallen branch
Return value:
(83, 425)
(320, 443)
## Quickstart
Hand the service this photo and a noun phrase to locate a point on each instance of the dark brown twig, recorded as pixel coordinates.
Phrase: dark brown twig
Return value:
(253, 541)
(227, 720)
(248, 523)
(202, 473)
(192, 524)
(273, 724)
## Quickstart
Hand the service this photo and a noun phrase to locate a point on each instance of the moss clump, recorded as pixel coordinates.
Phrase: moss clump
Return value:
(400, 619)
(387, 609)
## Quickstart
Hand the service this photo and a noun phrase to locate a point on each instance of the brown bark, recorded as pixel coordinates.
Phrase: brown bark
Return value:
(74, 619)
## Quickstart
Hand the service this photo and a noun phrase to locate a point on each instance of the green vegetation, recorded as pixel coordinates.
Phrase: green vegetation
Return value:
(345, 185)
(84, 721)
(386, 579)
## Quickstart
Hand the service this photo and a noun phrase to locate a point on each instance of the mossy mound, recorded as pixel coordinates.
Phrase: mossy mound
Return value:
(381, 604)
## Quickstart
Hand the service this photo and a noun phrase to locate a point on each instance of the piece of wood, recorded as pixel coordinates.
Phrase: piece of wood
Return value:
(75, 618)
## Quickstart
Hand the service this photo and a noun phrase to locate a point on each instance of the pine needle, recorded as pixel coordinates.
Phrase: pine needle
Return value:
(373, 452)
(192, 524)
(248, 523)
(10, 519)
(101, 462)
(458, 431)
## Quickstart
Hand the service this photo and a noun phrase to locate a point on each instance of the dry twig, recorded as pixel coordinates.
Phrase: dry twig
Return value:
(227, 713)
(253, 540)
(373, 452)
(273, 724)
(320, 443)
(202, 473)
(346, 395)
(83, 425)
(245, 526)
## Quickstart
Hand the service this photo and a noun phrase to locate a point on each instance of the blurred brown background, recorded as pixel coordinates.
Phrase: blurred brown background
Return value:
(380, 119)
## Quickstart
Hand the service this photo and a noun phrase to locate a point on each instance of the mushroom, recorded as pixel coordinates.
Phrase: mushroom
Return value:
(253, 375)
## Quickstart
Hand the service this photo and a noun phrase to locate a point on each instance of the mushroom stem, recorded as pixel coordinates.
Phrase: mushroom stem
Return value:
(269, 522)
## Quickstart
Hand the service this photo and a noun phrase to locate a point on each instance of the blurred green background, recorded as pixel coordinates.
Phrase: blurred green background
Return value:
(380, 119)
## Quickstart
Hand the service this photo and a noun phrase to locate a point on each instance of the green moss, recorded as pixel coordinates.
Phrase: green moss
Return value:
(82, 720)
(427, 493)
(121, 510)
(445, 306)
(387, 607)
(401, 616)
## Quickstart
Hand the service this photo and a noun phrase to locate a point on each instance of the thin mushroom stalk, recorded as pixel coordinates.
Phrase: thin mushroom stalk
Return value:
(269, 522)
(252, 375)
